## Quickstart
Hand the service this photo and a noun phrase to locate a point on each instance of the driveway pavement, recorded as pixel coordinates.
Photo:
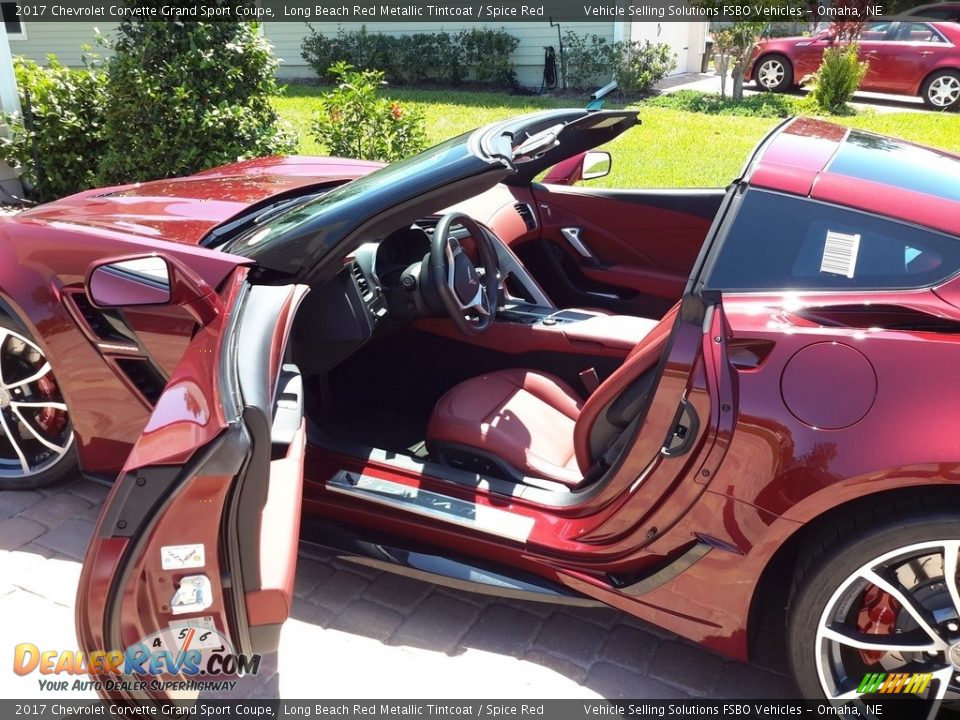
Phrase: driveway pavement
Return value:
(710, 83)
(359, 632)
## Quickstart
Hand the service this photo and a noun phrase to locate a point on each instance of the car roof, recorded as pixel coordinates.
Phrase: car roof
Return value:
(918, 10)
(862, 170)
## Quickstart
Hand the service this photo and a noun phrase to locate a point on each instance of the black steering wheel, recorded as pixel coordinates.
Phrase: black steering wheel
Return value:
(469, 298)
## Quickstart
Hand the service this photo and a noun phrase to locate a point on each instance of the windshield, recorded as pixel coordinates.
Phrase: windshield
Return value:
(297, 218)
(298, 237)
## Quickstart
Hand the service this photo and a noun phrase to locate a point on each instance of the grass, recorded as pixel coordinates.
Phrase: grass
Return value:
(672, 148)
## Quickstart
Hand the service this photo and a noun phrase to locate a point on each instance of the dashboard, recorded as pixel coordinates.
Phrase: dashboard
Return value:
(378, 288)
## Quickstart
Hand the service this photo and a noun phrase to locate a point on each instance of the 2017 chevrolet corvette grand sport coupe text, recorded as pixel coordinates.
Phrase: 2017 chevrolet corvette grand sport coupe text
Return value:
(665, 401)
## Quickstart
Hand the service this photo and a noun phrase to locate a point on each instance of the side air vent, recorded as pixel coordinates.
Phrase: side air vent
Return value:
(363, 285)
(144, 377)
(526, 214)
(105, 325)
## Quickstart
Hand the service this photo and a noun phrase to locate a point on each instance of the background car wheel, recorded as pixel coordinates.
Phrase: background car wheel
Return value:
(773, 73)
(942, 90)
(879, 595)
(36, 438)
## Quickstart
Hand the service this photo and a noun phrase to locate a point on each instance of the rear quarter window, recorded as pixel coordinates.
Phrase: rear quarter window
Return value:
(783, 242)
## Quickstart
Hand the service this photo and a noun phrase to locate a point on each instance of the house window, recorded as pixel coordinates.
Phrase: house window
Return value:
(11, 20)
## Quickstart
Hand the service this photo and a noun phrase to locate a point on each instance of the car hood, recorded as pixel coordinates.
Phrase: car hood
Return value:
(186, 209)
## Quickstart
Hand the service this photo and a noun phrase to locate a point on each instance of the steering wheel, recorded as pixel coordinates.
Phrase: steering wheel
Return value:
(470, 299)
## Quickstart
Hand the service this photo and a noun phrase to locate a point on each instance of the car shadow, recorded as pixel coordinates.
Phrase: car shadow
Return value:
(411, 633)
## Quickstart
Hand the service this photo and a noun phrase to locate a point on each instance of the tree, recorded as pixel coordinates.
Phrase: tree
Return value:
(743, 36)
(723, 45)
(184, 96)
(740, 37)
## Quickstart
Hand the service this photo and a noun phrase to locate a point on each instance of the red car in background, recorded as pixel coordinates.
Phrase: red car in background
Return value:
(672, 402)
(906, 56)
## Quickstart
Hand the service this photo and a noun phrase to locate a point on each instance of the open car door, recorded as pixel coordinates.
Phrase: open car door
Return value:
(189, 575)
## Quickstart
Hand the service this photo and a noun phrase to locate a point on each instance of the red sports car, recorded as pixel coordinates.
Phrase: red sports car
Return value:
(906, 57)
(666, 401)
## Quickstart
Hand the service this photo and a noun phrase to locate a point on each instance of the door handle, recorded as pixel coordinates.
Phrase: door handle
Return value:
(572, 236)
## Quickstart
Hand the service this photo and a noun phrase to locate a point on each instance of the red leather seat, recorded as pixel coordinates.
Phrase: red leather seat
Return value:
(533, 421)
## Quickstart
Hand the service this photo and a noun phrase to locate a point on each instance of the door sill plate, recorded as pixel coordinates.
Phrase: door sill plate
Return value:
(425, 503)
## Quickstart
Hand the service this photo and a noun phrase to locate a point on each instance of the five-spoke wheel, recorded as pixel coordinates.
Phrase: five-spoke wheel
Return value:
(36, 438)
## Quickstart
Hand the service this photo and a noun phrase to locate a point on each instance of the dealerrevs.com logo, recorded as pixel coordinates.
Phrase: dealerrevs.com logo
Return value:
(190, 649)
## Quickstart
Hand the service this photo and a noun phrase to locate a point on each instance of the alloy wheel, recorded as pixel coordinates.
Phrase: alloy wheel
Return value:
(35, 430)
(771, 73)
(898, 613)
(944, 91)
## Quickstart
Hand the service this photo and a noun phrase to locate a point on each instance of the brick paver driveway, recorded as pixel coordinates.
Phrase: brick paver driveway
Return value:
(358, 632)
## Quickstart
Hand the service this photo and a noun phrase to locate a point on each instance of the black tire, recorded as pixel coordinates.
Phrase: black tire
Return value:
(837, 553)
(776, 72)
(941, 91)
(56, 468)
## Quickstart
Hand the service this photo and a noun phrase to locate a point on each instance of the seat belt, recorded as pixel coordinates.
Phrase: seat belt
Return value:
(590, 380)
(612, 451)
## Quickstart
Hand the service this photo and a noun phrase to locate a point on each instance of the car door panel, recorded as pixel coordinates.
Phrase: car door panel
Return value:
(636, 248)
(207, 474)
(808, 57)
(650, 281)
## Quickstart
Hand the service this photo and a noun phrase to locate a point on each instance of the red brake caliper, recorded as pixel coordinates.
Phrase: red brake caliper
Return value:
(51, 420)
(877, 616)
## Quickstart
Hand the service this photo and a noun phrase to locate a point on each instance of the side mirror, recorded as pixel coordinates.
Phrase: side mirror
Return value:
(596, 164)
(584, 166)
(141, 280)
(130, 283)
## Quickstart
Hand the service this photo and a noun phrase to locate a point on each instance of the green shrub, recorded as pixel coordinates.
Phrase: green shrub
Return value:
(446, 57)
(763, 105)
(355, 121)
(637, 66)
(487, 54)
(187, 96)
(481, 53)
(58, 146)
(642, 64)
(588, 59)
(838, 79)
(321, 51)
(425, 57)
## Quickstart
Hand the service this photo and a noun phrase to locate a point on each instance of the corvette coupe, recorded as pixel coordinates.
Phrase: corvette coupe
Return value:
(465, 368)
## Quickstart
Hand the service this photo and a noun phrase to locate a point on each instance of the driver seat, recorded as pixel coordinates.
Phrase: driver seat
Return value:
(527, 423)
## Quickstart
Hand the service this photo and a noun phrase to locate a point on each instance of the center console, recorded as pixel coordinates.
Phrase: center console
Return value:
(524, 327)
(527, 314)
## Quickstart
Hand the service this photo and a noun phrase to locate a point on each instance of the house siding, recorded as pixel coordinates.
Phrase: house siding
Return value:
(63, 39)
(66, 39)
(528, 57)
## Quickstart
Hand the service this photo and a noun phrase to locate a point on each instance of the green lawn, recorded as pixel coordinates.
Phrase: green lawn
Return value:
(670, 149)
